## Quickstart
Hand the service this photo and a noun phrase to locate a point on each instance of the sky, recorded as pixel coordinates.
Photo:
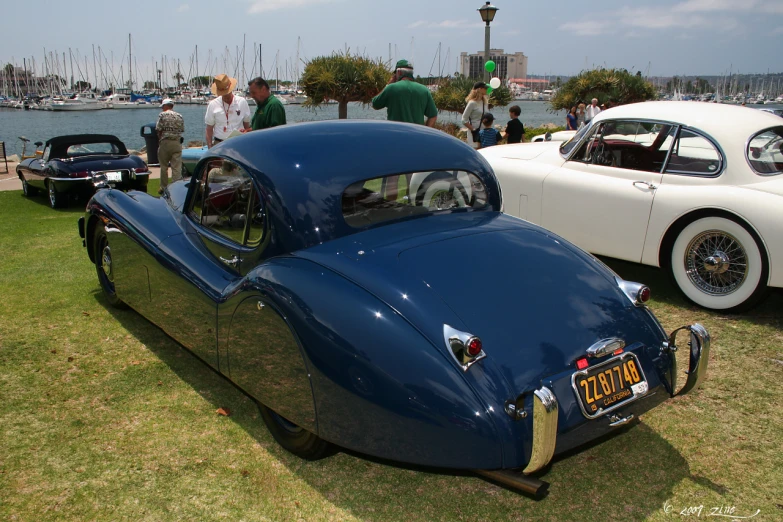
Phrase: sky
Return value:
(660, 37)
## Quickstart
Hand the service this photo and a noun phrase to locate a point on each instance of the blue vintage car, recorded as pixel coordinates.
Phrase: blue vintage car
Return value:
(361, 282)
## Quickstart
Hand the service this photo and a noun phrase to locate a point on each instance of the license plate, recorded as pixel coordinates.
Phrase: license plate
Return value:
(609, 385)
(114, 176)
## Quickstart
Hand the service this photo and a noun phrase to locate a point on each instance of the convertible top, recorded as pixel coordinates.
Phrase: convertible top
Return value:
(60, 144)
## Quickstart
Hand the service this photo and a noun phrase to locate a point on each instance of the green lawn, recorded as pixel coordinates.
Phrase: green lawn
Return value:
(104, 417)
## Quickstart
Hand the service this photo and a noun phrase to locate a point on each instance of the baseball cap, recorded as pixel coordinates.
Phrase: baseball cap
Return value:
(403, 64)
(167, 101)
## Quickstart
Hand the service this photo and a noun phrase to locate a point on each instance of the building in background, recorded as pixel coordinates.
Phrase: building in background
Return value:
(506, 65)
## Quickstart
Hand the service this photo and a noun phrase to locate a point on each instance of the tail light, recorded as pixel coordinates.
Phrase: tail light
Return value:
(466, 348)
(638, 293)
(81, 174)
(139, 170)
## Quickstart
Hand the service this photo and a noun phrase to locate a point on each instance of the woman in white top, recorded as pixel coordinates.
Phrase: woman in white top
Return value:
(478, 104)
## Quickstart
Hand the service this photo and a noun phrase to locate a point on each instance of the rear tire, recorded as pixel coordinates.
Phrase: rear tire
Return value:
(299, 441)
(56, 199)
(719, 264)
(27, 190)
(104, 266)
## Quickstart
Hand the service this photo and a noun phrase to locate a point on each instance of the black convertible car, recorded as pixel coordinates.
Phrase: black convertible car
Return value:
(80, 163)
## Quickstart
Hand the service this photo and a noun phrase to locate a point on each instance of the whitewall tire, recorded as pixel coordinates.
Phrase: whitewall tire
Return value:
(718, 264)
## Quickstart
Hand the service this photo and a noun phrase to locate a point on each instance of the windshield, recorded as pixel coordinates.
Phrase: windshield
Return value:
(402, 195)
(765, 152)
(567, 147)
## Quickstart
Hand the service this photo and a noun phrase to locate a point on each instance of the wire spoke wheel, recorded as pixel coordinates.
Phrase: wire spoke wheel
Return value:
(716, 262)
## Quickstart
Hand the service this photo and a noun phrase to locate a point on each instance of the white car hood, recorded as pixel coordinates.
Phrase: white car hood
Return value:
(521, 151)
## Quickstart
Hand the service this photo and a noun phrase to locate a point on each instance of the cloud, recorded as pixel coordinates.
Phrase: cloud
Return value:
(445, 24)
(710, 6)
(262, 6)
(585, 28)
(183, 8)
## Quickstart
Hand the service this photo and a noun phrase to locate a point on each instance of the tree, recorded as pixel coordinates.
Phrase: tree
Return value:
(201, 81)
(177, 77)
(344, 78)
(451, 94)
(150, 85)
(82, 86)
(617, 86)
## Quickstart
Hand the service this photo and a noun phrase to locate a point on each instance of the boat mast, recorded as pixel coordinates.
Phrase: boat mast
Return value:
(130, 75)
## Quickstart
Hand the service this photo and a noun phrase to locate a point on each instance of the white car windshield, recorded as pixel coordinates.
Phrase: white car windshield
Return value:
(765, 152)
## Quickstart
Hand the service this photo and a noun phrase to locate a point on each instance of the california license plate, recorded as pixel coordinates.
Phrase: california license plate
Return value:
(114, 176)
(609, 385)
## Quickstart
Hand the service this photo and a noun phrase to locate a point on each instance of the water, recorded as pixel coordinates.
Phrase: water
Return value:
(126, 123)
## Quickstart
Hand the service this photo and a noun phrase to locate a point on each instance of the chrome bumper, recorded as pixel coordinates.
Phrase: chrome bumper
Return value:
(699, 345)
(545, 412)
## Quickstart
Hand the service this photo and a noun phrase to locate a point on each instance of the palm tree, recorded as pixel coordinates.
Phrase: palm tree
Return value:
(617, 86)
(343, 78)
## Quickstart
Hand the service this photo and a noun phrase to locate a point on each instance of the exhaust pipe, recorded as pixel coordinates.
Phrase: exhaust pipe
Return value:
(513, 479)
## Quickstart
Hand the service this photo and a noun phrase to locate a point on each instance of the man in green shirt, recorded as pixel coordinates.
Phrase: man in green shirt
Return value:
(269, 111)
(406, 100)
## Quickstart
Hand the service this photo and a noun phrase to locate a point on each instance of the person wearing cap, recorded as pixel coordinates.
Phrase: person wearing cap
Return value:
(474, 112)
(226, 113)
(269, 111)
(170, 127)
(406, 100)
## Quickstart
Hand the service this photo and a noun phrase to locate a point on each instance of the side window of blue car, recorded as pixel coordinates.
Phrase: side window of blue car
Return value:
(227, 203)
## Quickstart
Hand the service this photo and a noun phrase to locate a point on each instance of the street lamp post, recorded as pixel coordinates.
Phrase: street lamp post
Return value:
(487, 12)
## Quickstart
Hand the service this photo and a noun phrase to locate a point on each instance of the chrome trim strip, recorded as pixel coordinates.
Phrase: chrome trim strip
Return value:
(700, 355)
(601, 411)
(605, 347)
(616, 420)
(69, 179)
(545, 412)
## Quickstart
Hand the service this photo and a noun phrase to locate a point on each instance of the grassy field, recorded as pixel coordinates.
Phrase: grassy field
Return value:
(104, 417)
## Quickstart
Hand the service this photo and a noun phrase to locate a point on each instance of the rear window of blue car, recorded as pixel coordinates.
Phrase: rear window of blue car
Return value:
(398, 196)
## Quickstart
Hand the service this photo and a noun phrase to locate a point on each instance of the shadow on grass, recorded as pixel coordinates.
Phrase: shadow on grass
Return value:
(768, 313)
(609, 470)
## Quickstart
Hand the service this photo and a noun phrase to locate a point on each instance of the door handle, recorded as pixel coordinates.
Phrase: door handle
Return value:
(234, 261)
(651, 186)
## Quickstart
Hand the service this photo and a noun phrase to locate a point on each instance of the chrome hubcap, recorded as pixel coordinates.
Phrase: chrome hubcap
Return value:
(106, 263)
(52, 194)
(716, 263)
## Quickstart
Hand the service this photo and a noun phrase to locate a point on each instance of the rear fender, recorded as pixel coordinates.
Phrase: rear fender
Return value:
(379, 386)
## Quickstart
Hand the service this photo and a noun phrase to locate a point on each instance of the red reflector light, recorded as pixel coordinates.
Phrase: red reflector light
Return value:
(644, 294)
(617, 351)
(473, 347)
(581, 364)
(141, 169)
(81, 174)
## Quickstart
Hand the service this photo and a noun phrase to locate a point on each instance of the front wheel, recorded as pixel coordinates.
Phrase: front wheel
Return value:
(718, 264)
(104, 266)
(295, 439)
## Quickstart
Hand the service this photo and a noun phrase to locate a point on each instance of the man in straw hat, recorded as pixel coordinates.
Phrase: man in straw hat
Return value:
(406, 100)
(226, 113)
(170, 128)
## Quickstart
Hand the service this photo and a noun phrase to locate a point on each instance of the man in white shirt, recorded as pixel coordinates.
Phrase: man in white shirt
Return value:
(226, 113)
(592, 110)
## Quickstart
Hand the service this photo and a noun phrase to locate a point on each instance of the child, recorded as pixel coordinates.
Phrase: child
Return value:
(488, 135)
(514, 130)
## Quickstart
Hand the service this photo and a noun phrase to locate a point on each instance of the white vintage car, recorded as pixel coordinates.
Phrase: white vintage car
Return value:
(694, 188)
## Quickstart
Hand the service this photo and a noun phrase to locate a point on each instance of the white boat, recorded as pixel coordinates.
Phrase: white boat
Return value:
(83, 101)
(123, 101)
